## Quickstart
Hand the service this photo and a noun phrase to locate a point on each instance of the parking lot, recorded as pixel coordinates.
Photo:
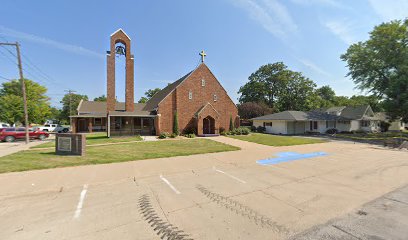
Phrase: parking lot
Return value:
(209, 196)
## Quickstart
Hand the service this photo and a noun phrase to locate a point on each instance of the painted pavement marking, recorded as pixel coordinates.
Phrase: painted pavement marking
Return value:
(169, 184)
(81, 201)
(229, 175)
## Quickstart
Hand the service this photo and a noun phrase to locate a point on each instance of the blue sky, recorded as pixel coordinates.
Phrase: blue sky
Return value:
(65, 41)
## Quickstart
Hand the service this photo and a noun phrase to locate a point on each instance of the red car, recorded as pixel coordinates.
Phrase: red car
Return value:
(12, 134)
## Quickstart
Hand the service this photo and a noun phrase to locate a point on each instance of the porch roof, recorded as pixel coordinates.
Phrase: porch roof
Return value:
(130, 114)
(301, 116)
(90, 115)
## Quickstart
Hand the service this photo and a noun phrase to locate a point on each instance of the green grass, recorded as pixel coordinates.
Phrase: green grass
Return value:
(46, 158)
(374, 136)
(273, 140)
(96, 138)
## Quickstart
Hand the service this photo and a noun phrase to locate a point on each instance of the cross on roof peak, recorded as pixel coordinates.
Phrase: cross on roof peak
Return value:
(203, 55)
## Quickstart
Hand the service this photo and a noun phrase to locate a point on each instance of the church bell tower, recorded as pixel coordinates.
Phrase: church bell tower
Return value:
(120, 45)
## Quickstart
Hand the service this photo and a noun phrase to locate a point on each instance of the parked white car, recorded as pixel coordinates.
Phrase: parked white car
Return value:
(53, 128)
(4, 125)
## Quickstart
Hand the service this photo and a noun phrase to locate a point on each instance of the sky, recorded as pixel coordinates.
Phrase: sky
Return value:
(64, 43)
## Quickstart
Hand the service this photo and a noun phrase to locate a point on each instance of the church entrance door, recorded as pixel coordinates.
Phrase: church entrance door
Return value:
(208, 125)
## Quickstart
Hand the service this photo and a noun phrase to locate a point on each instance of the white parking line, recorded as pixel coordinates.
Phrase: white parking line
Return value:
(170, 185)
(229, 175)
(81, 201)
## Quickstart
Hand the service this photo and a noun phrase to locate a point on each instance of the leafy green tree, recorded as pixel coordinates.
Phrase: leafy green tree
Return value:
(175, 124)
(231, 125)
(380, 66)
(101, 98)
(143, 100)
(11, 102)
(250, 110)
(279, 88)
(70, 103)
(149, 94)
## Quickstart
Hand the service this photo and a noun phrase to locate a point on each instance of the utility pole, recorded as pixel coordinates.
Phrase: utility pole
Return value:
(70, 92)
(23, 89)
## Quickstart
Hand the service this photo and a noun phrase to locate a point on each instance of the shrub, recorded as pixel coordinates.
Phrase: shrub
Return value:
(224, 133)
(190, 135)
(253, 128)
(222, 130)
(163, 135)
(332, 131)
(231, 126)
(175, 124)
(245, 131)
(189, 130)
(260, 129)
(173, 135)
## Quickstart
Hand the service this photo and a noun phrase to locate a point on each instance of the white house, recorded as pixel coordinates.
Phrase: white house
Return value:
(395, 125)
(319, 121)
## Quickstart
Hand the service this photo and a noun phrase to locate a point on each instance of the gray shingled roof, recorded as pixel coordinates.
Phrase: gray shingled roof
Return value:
(299, 116)
(354, 113)
(92, 107)
(159, 96)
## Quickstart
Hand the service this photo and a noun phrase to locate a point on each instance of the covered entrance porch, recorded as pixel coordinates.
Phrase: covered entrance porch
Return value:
(131, 125)
(207, 121)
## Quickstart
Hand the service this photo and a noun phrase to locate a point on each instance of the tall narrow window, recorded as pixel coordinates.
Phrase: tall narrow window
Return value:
(215, 97)
(203, 82)
(190, 95)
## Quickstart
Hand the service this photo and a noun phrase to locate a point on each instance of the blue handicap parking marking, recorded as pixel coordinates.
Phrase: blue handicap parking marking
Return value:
(290, 156)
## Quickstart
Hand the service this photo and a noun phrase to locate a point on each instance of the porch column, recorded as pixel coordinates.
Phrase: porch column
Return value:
(74, 125)
(199, 126)
(108, 127)
(157, 124)
(90, 120)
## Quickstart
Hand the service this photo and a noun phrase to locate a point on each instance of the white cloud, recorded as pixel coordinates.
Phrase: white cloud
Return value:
(311, 65)
(390, 10)
(331, 3)
(343, 29)
(272, 15)
(59, 45)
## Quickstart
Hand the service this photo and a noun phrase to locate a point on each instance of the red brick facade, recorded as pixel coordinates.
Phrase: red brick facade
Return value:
(120, 37)
(191, 112)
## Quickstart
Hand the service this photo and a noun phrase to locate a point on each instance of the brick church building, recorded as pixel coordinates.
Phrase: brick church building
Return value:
(201, 103)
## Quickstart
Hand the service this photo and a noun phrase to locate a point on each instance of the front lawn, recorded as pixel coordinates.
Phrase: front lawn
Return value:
(96, 138)
(46, 158)
(374, 136)
(273, 140)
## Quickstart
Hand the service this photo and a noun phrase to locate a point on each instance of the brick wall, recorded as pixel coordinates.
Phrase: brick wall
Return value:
(186, 108)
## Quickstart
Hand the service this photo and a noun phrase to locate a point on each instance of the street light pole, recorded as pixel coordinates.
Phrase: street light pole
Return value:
(23, 88)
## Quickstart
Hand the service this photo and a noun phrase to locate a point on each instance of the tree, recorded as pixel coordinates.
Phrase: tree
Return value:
(380, 66)
(279, 88)
(11, 102)
(143, 100)
(231, 125)
(101, 98)
(175, 124)
(250, 110)
(149, 94)
(70, 103)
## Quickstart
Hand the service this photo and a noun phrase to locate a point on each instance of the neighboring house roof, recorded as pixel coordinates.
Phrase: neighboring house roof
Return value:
(357, 113)
(159, 96)
(99, 108)
(299, 116)
(347, 113)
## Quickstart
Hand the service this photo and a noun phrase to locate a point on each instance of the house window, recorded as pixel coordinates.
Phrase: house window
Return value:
(97, 121)
(313, 125)
(215, 97)
(267, 124)
(203, 82)
(190, 95)
(365, 123)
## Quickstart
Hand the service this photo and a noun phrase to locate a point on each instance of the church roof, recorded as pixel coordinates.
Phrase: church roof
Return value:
(93, 107)
(159, 96)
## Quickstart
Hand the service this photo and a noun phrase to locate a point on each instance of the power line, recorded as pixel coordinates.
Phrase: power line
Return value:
(5, 78)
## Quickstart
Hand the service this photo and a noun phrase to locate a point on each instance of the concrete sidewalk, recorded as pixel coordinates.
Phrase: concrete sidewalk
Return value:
(383, 218)
(13, 147)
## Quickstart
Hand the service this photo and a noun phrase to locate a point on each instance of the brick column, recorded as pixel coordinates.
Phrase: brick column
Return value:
(199, 126)
(90, 120)
(73, 125)
(157, 124)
